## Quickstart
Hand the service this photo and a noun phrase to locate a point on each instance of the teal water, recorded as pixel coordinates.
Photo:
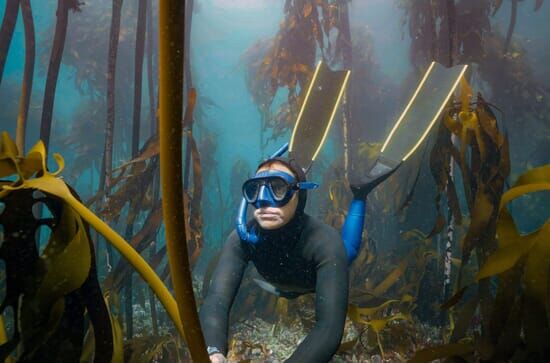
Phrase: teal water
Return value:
(222, 32)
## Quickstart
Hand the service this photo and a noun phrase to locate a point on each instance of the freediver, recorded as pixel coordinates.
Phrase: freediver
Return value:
(294, 252)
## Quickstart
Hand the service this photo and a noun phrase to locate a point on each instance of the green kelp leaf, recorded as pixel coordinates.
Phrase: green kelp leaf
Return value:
(455, 299)
(513, 246)
(536, 276)
(507, 232)
(69, 267)
(392, 277)
(447, 350)
(482, 212)
(530, 256)
(34, 161)
(47, 308)
(60, 270)
(517, 192)
(357, 314)
(112, 303)
(4, 338)
(534, 176)
(504, 258)
(57, 187)
(3, 334)
(379, 324)
(8, 156)
(488, 123)
(48, 183)
(7, 166)
(8, 147)
(534, 180)
(118, 340)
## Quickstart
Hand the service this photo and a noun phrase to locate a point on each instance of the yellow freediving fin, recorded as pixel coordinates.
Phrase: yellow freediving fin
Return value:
(413, 125)
(422, 111)
(316, 114)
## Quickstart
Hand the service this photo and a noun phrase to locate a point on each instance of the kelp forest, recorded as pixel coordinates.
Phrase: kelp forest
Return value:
(129, 126)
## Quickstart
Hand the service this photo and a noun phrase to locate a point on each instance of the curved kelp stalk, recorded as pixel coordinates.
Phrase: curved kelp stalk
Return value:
(6, 31)
(51, 184)
(26, 87)
(171, 29)
(63, 7)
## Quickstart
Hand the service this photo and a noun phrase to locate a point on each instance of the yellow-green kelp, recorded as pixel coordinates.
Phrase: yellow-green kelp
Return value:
(34, 163)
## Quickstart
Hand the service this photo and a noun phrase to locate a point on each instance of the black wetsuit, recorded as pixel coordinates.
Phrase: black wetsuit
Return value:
(304, 255)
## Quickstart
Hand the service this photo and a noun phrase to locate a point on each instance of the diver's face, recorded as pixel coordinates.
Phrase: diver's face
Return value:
(276, 217)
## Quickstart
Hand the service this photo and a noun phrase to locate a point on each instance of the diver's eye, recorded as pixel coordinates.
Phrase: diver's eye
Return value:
(250, 190)
(279, 188)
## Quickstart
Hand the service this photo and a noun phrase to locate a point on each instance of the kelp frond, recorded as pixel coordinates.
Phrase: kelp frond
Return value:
(34, 164)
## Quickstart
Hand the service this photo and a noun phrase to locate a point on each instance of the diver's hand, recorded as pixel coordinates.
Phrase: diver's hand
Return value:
(217, 358)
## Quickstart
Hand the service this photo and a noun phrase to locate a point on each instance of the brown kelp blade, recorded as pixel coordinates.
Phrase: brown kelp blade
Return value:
(422, 111)
(317, 113)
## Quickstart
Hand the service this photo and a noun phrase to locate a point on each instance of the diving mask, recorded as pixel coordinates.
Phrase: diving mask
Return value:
(272, 188)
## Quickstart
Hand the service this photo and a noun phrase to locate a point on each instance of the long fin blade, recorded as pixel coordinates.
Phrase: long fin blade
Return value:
(317, 114)
(422, 111)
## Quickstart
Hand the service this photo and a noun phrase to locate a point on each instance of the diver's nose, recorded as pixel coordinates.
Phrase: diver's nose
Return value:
(263, 199)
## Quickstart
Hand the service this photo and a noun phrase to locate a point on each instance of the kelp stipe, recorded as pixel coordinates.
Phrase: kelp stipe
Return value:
(171, 31)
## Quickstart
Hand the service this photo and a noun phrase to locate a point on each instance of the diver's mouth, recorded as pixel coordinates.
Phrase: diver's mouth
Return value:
(269, 218)
(267, 214)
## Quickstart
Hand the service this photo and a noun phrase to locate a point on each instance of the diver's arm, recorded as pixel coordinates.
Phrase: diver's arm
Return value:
(330, 302)
(214, 313)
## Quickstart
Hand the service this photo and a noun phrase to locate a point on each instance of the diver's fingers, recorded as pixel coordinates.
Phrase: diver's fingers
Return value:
(217, 358)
